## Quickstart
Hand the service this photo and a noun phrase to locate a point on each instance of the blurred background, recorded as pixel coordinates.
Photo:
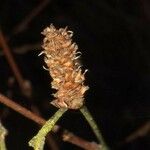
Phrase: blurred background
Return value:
(114, 38)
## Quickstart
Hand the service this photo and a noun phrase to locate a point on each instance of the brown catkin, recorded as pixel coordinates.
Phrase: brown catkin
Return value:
(63, 65)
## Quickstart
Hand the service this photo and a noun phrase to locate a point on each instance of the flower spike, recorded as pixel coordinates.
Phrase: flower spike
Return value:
(64, 67)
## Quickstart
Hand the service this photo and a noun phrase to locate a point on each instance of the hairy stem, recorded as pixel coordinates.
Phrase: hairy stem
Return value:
(84, 110)
(37, 142)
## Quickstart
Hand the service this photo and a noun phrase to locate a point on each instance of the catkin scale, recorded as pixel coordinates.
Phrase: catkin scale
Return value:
(63, 65)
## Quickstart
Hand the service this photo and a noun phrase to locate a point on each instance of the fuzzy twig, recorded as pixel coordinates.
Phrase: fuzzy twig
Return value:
(38, 141)
(49, 139)
(94, 126)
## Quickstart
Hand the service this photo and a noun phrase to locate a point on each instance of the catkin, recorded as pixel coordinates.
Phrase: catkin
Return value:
(61, 58)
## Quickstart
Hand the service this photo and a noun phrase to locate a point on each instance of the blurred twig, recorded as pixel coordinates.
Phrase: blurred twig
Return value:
(10, 59)
(9, 103)
(25, 22)
(67, 136)
(24, 48)
(70, 137)
(25, 85)
(27, 47)
(140, 132)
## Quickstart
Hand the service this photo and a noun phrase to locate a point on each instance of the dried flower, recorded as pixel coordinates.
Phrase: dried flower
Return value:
(61, 57)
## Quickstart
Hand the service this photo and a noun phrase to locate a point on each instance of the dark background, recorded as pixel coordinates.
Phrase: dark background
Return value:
(114, 38)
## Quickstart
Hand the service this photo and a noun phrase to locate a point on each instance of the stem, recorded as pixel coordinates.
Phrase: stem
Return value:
(84, 110)
(37, 142)
(3, 133)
